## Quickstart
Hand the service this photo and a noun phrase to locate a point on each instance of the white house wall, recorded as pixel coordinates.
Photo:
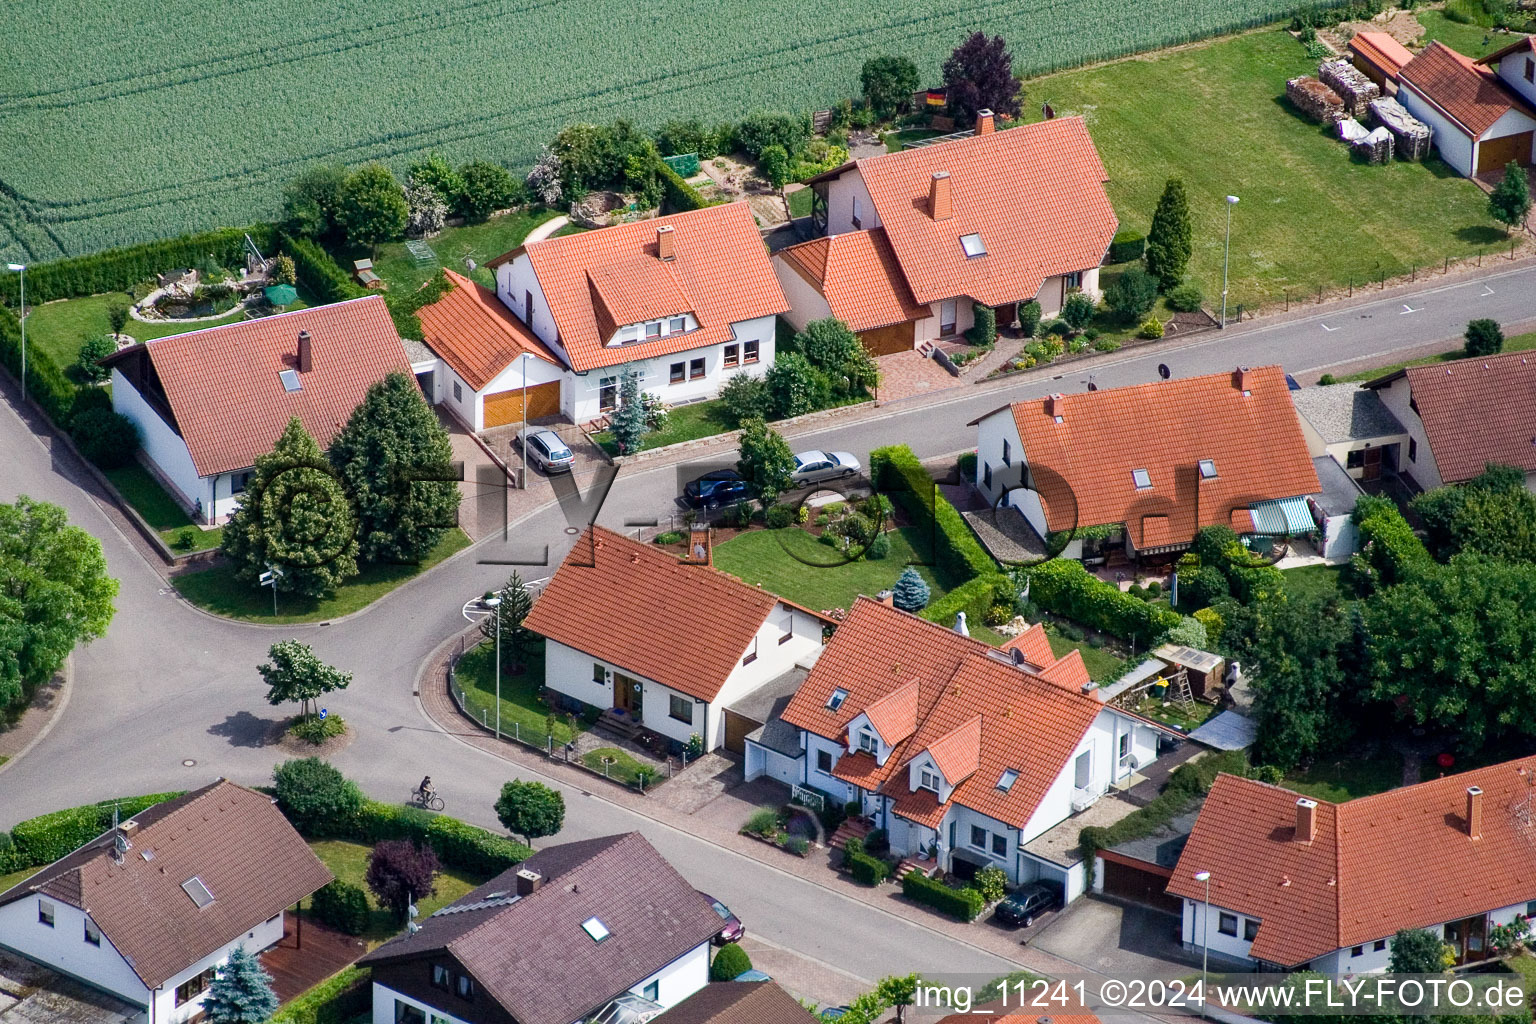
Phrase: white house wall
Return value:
(160, 444)
(761, 760)
(991, 432)
(817, 778)
(167, 1012)
(1512, 71)
(384, 999)
(841, 193)
(1396, 397)
(805, 302)
(463, 401)
(514, 280)
(679, 979)
(1511, 122)
(773, 660)
(63, 947)
(930, 328)
(1453, 145)
(1194, 933)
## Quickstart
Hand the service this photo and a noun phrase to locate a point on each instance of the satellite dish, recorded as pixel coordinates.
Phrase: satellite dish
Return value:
(1163, 371)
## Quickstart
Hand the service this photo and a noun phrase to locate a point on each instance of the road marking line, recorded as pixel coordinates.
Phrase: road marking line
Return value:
(1486, 292)
(1409, 309)
(1327, 328)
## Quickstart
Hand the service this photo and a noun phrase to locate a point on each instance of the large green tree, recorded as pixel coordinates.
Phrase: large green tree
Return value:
(241, 992)
(517, 640)
(373, 206)
(487, 188)
(312, 201)
(837, 352)
(294, 516)
(1455, 646)
(1416, 951)
(1484, 337)
(1492, 515)
(54, 594)
(1172, 238)
(394, 459)
(437, 173)
(765, 459)
(530, 809)
(888, 84)
(296, 674)
(1510, 201)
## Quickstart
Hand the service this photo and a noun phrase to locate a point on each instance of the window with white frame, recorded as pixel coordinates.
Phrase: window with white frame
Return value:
(696, 368)
(653, 330)
(868, 741)
(949, 311)
(45, 913)
(681, 709)
(927, 778)
(678, 325)
(731, 355)
(749, 351)
(787, 628)
(92, 933)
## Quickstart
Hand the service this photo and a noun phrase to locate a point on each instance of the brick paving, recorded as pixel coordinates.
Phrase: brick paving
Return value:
(909, 374)
(47, 702)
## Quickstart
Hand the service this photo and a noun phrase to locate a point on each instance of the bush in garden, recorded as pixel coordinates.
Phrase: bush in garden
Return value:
(746, 397)
(400, 873)
(888, 84)
(1484, 338)
(1211, 619)
(1190, 632)
(910, 594)
(1127, 245)
(1185, 298)
(373, 207)
(1078, 310)
(1203, 587)
(438, 174)
(91, 353)
(730, 963)
(316, 798)
(961, 904)
(428, 211)
(1171, 240)
(283, 270)
(1106, 345)
(1132, 294)
(779, 516)
(1068, 589)
(796, 386)
(680, 136)
(773, 165)
(878, 548)
(991, 882)
(530, 809)
(765, 459)
(763, 128)
(487, 188)
(343, 906)
(837, 352)
(106, 438)
(1029, 318)
(1152, 327)
(984, 330)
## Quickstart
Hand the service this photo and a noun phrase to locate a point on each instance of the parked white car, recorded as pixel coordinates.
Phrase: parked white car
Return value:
(815, 466)
(546, 450)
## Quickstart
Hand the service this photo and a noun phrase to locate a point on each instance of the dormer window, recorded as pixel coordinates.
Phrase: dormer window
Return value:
(972, 245)
(678, 325)
(928, 779)
(1142, 479)
(868, 741)
(653, 330)
(1207, 469)
(1009, 777)
(836, 700)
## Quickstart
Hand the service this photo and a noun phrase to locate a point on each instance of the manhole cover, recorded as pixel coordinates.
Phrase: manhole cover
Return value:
(189, 763)
(573, 531)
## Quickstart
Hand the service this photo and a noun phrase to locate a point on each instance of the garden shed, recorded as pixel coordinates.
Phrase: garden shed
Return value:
(1315, 100)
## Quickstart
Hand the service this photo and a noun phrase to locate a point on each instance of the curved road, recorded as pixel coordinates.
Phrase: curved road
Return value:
(170, 683)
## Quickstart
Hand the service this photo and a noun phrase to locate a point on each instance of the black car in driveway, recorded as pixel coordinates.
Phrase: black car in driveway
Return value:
(1026, 903)
(716, 490)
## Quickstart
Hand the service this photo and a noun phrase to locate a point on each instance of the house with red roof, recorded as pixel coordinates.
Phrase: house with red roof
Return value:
(207, 403)
(1516, 66)
(686, 301)
(1303, 884)
(1463, 416)
(1379, 57)
(663, 644)
(962, 752)
(1481, 121)
(1148, 465)
(915, 240)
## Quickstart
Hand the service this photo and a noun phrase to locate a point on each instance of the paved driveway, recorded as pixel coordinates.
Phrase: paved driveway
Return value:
(1117, 939)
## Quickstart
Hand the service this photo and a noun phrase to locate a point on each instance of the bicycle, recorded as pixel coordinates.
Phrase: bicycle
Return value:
(427, 802)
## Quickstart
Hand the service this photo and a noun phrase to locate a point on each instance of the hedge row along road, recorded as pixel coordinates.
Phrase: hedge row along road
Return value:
(195, 119)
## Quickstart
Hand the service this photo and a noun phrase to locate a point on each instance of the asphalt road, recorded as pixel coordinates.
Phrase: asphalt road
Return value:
(169, 683)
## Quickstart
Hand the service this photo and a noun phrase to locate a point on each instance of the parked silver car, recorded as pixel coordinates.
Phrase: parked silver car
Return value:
(546, 450)
(815, 466)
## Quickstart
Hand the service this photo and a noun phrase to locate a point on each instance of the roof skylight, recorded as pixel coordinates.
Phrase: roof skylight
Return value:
(595, 928)
(836, 700)
(1207, 469)
(290, 379)
(199, 893)
(973, 245)
(1009, 778)
(1142, 479)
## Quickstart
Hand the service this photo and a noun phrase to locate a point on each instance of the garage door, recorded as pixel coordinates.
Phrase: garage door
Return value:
(736, 729)
(1139, 885)
(882, 341)
(507, 406)
(1493, 154)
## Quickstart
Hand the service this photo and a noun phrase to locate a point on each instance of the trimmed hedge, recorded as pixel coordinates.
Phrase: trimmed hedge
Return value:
(975, 598)
(47, 384)
(457, 844)
(336, 1000)
(44, 839)
(729, 962)
(318, 273)
(1066, 588)
(677, 194)
(961, 904)
(1127, 245)
(899, 475)
(866, 870)
(118, 270)
(341, 905)
(1390, 552)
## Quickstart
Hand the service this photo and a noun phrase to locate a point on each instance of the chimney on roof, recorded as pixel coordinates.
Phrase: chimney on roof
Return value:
(664, 250)
(887, 598)
(941, 203)
(306, 352)
(700, 550)
(1055, 405)
(960, 626)
(983, 122)
(1306, 820)
(528, 882)
(1475, 812)
(1242, 379)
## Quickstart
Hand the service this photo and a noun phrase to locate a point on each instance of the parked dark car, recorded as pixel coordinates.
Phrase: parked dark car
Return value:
(733, 929)
(717, 489)
(1026, 903)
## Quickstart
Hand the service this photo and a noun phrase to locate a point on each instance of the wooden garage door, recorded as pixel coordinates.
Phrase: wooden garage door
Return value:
(1493, 154)
(1140, 885)
(736, 729)
(507, 406)
(882, 341)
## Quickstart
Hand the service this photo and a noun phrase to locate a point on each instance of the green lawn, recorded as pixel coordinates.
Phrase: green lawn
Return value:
(1102, 666)
(1215, 116)
(1525, 966)
(1314, 580)
(816, 578)
(622, 767)
(1514, 343)
(59, 328)
(349, 862)
(480, 242)
(1172, 714)
(800, 203)
(895, 140)
(159, 509)
(521, 703)
(217, 590)
(1472, 40)
(6, 881)
(1350, 777)
(684, 423)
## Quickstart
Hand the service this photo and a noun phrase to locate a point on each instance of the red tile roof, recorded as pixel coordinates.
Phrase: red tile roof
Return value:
(223, 387)
(1034, 193)
(979, 715)
(1469, 93)
(1381, 51)
(594, 281)
(231, 838)
(1475, 412)
(1083, 465)
(476, 334)
(859, 276)
(1523, 43)
(640, 608)
(1034, 645)
(894, 716)
(1352, 884)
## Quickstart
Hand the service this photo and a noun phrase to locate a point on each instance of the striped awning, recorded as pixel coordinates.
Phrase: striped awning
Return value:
(1282, 516)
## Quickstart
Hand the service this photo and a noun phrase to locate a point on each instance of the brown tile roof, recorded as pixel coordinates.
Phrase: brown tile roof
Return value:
(1034, 193)
(721, 270)
(232, 838)
(859, 276)
(1475, 412)
(640, 608)
(532, 954)
(1382, 51)
(1083, 465)
(476, 334)
(983, 715)
(738, 1002)
(1470, 94)
(223, 387)
(1352, 884)
(1523, 43)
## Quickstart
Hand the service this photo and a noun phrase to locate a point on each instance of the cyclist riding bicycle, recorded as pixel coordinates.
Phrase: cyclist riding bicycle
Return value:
(426, 789)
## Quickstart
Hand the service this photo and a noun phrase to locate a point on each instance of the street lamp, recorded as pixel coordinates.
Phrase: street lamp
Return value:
(1205, 927)
(21, 268)
(494, 604)
(1226, 259)
(523, 481)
